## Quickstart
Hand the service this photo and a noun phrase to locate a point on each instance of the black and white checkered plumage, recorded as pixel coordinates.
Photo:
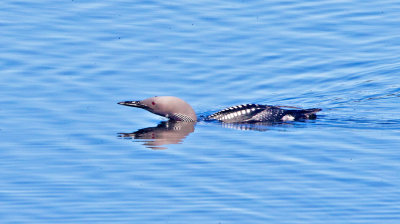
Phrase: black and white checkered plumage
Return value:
(181, 117)
(251, 113)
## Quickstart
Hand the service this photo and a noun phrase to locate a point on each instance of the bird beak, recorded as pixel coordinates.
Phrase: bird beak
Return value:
(132, 104)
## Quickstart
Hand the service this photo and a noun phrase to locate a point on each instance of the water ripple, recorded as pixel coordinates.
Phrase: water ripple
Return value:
(65, 64)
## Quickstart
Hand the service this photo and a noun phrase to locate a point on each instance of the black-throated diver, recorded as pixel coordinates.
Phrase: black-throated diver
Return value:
(176, 109)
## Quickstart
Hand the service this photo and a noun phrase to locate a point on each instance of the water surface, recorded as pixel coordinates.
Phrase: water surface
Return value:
(65, 65)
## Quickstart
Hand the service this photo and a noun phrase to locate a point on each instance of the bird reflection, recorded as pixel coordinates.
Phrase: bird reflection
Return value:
(174, 132)
(165, 133)
(258, 126)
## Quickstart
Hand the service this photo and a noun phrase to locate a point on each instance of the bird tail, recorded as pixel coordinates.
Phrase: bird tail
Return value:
(310, 113)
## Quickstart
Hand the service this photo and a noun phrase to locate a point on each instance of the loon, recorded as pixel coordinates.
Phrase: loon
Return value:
(176, 109)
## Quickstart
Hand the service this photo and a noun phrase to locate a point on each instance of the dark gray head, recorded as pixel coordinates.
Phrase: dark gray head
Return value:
(167, 106)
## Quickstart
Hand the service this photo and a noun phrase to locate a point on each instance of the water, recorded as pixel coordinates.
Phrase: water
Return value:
(65, 65)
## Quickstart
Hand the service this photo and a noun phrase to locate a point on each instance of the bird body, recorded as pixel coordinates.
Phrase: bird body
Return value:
(249, 113)
(176, 109)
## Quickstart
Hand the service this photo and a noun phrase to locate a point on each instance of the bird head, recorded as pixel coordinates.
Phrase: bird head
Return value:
(167, 106)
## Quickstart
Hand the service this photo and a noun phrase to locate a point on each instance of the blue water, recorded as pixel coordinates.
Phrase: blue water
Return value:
(65, 64)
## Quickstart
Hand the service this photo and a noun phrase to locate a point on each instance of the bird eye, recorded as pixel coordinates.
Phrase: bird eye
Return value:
(153, 103)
